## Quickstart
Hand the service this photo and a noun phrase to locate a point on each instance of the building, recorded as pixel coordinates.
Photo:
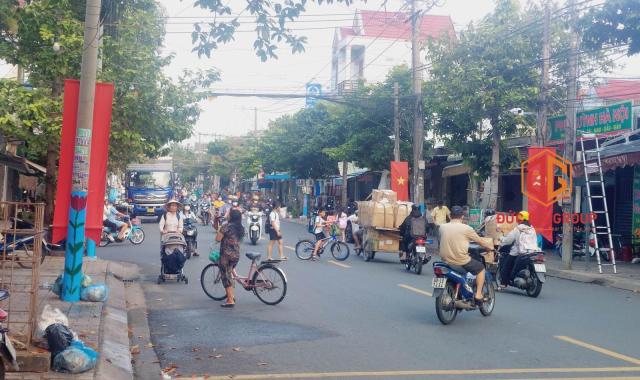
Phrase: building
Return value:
(376, 42)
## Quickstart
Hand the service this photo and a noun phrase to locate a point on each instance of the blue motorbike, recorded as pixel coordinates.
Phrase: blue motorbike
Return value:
(454, 289)
(135, 233)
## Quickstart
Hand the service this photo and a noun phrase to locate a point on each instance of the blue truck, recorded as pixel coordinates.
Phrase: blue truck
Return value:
(149, 186)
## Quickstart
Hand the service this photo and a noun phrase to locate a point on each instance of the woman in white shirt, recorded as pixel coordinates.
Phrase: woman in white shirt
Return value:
(170, 221)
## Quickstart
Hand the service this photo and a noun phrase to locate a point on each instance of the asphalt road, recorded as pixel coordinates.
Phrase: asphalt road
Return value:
(374, 320)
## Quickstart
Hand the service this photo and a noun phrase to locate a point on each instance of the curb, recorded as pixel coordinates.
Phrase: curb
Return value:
(115, 357)
(587, 278)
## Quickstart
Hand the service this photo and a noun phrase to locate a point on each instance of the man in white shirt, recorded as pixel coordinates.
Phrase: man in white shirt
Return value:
(275, 234)
(171, 221)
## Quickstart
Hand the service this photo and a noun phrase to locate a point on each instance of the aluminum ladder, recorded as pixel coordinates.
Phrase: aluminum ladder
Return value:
(597, 201)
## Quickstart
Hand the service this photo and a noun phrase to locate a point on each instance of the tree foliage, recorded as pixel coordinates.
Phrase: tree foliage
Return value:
(617, 22)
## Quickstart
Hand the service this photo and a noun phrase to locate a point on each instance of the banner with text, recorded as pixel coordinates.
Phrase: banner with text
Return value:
(609, 120)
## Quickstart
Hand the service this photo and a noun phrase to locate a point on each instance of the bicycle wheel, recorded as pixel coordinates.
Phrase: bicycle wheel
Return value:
(211, 281)
(304, 249)
(269, 284)
(24, 254)
(137, 236)
(340, 251)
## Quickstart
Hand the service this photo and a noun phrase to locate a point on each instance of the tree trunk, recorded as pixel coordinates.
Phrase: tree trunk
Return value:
(495, 169)
(345, 166)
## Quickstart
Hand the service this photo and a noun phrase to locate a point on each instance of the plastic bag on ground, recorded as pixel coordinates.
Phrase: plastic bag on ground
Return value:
(49, 316)
(77, 358)
(59, 337)
(94, 293)
(56, 288)
(86, 281)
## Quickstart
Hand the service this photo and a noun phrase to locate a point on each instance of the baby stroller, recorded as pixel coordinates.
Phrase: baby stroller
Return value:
(172, 257)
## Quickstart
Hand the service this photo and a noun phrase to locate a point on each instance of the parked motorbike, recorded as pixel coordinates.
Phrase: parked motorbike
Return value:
(254, 221)
(190, 232)
(528, 272)
(417, 254)
(7, 351)
(135, 233)
(454, 289)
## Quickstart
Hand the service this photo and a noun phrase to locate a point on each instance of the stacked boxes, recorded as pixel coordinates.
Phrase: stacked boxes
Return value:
(383, 211)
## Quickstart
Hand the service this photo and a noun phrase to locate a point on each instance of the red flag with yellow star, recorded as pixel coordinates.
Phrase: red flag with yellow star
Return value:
(400, 179)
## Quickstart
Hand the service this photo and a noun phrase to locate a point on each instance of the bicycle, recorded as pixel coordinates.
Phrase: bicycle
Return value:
(339, 250)
(267, 281)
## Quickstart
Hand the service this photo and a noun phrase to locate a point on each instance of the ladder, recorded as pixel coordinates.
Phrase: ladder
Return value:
(597, 201)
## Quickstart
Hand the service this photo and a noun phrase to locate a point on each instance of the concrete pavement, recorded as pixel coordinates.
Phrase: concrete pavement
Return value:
(374, 320)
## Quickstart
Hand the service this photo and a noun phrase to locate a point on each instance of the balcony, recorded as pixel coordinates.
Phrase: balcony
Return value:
(348, 86)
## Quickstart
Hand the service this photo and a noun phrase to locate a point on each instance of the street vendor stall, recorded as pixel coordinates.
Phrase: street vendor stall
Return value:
(380, 219)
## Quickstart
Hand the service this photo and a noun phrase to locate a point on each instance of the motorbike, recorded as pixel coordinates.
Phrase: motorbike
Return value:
(135, 233)
(254, 221)
(417, 254)
(528, 272)
(454, 289)
(190, 232)
(7, 351)
(204, 213)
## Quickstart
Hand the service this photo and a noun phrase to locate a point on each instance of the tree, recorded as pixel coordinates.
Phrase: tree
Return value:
(617, 22)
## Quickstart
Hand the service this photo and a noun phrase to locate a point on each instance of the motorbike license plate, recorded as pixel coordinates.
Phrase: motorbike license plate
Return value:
(540, 268)
(254, 228)
(150, 210)
(438, 282)
(421, 249)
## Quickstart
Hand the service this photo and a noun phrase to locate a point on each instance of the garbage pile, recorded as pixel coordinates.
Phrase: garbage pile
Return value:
(89, 292)
(69, 354)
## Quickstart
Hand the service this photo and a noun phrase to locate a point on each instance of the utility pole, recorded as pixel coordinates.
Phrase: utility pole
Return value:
(418, 122)
(80, 180)
(541, 121)
(255, 120)
(570, 136)
(396, 122)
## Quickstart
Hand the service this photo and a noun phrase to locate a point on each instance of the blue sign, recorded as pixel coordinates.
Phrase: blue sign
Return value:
(314, 90)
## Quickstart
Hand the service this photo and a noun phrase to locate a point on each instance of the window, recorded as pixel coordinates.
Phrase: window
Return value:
(149, 180)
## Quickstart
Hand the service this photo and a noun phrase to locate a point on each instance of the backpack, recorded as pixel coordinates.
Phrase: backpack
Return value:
(267, 223)
(164, 216)
(527, 241)
(418, 227)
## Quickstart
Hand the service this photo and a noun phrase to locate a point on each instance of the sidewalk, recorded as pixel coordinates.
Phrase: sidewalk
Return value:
(627, 278)
(102, 326)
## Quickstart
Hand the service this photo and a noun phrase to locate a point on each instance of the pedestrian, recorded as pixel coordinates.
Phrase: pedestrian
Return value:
(342, 223)
(441, 215)
(229, 237)
(429, 219)
(275, 233)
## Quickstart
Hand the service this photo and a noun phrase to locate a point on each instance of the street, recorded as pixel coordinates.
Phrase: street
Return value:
(355, 319)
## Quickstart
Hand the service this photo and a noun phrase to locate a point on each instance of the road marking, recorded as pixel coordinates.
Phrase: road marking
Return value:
(289, 247)
(339, 264)
(445, 372)
(416, 290)
(601, 350)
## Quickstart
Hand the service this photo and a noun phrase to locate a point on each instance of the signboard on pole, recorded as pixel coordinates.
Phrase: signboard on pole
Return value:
(314, 90)
(475, 217)
(610, 120)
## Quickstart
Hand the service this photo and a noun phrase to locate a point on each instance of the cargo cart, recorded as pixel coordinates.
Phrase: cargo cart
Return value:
(376, 239)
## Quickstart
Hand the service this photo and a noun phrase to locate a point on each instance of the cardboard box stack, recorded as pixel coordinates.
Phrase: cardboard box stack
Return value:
(383, 210)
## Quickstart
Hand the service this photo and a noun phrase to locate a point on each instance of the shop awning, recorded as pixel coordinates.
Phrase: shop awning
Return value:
(616, 153)
(456, 169)
(277, 177)
(35, 166)
(16, 163)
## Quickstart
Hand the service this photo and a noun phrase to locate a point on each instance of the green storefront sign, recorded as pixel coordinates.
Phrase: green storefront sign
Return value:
(635, 226)
(475, 217)
(601, 121)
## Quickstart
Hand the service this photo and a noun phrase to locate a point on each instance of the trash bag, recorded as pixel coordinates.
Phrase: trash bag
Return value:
(56, 288)
(49, 316)
(86, 281)
(59, 337)
(94, 293)
(77, 358)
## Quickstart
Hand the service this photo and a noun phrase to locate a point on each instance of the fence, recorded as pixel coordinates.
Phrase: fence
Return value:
(21, 230)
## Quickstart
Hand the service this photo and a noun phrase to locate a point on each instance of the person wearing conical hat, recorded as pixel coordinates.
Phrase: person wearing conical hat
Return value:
(170, 221)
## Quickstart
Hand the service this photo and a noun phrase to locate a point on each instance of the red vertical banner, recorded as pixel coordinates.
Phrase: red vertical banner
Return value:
(400, 179)
(538, 181)
(98, 161)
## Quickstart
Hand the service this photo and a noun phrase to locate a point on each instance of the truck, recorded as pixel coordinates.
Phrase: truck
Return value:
(149, 186)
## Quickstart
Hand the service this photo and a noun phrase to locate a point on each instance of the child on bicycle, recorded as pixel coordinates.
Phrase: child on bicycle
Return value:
(319, 225)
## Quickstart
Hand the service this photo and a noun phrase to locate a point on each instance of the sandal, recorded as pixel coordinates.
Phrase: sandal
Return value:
(228, 305)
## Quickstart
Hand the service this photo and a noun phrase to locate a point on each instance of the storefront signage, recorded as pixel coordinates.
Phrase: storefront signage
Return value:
(609, 120)
(635, 227)
(475, 217)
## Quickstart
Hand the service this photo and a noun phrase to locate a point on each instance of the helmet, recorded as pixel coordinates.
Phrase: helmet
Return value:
(489, 212)
(523, 215)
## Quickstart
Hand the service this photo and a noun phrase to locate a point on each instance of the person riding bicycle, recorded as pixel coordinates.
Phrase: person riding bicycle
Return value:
(320, 223)
(454, 248)
(522, 239)
(413, 226)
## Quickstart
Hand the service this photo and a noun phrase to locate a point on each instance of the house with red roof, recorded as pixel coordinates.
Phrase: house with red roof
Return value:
(376, 42)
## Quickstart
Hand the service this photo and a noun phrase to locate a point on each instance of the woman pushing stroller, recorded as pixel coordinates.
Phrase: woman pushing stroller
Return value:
(172, 244)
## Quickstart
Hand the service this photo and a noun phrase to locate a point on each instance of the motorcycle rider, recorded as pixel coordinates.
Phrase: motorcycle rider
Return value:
(105, 219)
(112, 215)
(454, 247)
(522, 239)
(414, 225)
(185, 214)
